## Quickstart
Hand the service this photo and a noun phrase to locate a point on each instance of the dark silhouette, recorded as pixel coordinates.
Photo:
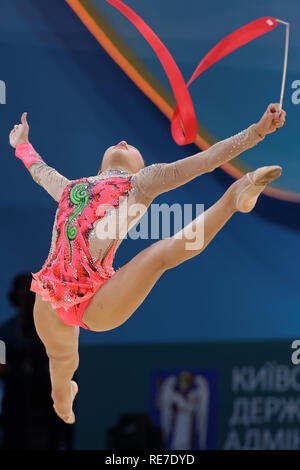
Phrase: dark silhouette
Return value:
(134, 431)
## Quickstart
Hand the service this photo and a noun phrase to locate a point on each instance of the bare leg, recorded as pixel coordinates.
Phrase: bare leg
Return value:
(119, 297)
(61, 343)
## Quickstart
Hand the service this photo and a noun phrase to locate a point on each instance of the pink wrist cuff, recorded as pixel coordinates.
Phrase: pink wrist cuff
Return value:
(28, 155)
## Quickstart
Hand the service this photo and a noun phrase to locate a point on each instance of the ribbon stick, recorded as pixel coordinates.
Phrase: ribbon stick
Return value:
(286, 51)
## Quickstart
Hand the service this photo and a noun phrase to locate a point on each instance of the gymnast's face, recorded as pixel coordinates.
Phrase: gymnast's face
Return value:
(122, 157)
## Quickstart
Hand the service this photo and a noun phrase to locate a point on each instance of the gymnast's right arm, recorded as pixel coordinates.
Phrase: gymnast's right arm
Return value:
(53, 182)
(158, 178)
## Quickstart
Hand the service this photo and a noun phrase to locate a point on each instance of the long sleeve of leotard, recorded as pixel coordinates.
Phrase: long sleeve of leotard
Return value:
(52, 181)
(158, 178)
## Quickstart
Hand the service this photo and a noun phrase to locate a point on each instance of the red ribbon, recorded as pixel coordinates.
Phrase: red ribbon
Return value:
(184, 121)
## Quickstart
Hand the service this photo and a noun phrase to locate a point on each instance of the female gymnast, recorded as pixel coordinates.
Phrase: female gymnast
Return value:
(77, 285)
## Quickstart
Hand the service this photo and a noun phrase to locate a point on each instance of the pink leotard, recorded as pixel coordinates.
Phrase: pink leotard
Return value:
(70, 276)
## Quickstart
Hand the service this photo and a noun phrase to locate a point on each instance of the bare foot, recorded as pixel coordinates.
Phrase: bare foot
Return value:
(247, 189)
(69, 418)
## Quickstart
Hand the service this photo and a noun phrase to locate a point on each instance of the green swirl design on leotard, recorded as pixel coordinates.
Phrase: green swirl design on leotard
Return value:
(79, 196)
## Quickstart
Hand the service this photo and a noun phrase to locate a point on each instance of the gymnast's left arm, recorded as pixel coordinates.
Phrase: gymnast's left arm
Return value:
(52, 181)
(156, 179)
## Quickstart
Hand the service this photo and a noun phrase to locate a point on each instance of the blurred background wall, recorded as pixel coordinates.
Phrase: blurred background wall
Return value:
(242, 294)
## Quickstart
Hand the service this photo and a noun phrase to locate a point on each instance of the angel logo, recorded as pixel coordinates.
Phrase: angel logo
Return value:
(184, 406)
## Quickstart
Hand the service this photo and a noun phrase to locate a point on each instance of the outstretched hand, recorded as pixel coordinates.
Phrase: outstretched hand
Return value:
(19, 133)
(272, 119)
